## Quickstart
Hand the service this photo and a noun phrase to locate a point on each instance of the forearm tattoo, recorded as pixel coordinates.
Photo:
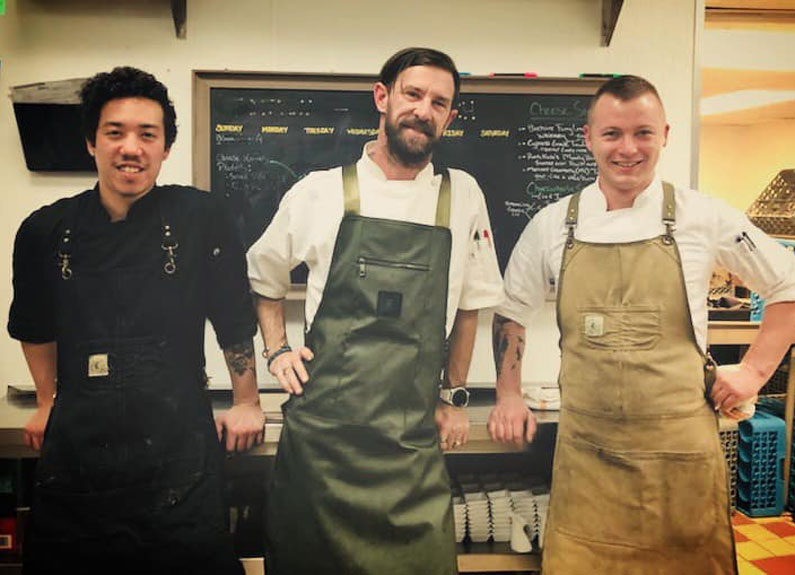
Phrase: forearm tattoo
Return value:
(240, 357)
(502, 340)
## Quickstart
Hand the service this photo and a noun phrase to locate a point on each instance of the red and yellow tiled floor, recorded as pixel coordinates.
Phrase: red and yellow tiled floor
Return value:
(765, 545)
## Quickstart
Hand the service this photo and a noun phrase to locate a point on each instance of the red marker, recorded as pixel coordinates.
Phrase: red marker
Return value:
(486, 237)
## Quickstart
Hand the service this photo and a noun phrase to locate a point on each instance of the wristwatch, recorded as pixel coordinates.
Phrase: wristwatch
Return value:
(455, 396)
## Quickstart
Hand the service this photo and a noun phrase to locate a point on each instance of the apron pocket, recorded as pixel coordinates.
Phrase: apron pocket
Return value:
(682, 498)
(597, 494)
(379, 369)
(631, 327)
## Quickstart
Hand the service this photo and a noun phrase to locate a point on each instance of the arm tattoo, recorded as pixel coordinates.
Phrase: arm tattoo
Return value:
(240, 357)
(501, 341)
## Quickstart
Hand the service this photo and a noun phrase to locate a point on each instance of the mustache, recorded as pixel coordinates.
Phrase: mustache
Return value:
(421, 126)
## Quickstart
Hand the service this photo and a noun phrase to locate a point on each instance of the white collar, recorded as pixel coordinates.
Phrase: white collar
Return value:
(597, 201)
(373, 170)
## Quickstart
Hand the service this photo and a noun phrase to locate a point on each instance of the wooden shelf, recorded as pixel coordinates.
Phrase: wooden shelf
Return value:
(494, 557)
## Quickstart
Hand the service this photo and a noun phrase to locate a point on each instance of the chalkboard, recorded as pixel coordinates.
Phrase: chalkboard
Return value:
(255, 135)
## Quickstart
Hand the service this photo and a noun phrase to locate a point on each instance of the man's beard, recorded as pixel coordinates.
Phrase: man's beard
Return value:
(407, 153)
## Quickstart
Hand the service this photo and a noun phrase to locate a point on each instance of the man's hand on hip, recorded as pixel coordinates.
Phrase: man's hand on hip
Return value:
(735, 388)
(288, 368)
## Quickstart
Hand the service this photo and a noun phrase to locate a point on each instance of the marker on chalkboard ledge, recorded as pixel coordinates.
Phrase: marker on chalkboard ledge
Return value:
(513, 75)
(587, 75)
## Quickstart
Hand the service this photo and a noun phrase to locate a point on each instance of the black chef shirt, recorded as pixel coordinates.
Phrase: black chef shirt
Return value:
(210, 257)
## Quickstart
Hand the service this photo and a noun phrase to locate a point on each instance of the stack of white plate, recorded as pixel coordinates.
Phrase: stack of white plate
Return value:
(459, 518)
(500, 503)
(478, 516)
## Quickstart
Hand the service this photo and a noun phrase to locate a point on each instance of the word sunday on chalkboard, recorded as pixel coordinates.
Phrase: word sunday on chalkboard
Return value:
(256, 134)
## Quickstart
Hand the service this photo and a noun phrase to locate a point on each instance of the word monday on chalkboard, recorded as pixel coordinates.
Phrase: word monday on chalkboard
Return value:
(522, 141)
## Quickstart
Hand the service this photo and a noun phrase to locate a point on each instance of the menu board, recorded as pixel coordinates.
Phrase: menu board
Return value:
(521, 139)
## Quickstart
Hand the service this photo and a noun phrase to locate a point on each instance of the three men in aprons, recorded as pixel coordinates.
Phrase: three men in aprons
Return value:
(639, 482)
(395, 270)
(112, 289)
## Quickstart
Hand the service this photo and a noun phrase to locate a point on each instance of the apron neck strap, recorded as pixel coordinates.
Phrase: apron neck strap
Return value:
(669, 210)
(571, 218)
(350, 190)
(443, 203)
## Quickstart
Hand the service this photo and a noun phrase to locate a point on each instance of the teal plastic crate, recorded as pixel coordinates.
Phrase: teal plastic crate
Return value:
(760, 468)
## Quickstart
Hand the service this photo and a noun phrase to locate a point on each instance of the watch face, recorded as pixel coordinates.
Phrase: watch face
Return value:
(460, 398)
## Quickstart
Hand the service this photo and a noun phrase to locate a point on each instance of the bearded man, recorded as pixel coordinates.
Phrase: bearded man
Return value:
(396, 276)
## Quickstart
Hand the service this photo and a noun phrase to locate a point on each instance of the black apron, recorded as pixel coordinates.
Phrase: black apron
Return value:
(359, 484)
(129, 475)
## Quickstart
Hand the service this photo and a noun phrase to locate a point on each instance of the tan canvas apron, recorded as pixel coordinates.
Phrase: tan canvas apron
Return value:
(639, 480)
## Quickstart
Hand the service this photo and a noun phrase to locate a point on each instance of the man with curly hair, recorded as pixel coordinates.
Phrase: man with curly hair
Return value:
(112, 289)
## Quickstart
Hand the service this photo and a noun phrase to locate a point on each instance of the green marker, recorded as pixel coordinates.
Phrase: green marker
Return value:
(2, 7)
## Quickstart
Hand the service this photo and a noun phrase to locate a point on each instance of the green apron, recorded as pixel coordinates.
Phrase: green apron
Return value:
(359, 484)
(639, 480)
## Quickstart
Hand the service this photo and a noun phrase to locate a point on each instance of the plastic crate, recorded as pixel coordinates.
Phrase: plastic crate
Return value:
(729, 439)
(760, 468)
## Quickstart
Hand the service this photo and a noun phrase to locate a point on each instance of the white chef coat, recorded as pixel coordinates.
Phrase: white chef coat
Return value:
(708, 232)
(305, 226)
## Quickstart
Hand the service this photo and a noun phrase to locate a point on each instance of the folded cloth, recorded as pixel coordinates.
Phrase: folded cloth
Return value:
(542, 397)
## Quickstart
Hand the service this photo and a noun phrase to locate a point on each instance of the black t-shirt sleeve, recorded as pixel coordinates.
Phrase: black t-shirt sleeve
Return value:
(32, 315)
(230, 307)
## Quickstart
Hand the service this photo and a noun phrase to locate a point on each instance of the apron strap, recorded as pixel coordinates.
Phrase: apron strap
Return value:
(68, 235)
(350, 190)
(443, 203)
(669, 211)
(571, 218)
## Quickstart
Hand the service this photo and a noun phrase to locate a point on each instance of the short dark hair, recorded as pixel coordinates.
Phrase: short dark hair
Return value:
(124, 82)
(625, 88)
(409, 57)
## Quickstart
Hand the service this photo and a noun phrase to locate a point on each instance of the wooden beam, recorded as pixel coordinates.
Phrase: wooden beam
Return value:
(610, 11)
(752, 4)
(179, 11)
(730, 17)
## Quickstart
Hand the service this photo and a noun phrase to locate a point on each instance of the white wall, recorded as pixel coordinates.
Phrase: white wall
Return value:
(44, 40)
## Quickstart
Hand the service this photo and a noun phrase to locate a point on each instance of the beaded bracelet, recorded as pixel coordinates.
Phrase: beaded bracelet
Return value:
(277, 353)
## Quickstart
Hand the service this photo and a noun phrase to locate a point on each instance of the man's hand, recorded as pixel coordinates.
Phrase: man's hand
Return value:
(511, 421)
(289, 369)
(34, 428)
(244, 424)
(453, 425)
(734, 385)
